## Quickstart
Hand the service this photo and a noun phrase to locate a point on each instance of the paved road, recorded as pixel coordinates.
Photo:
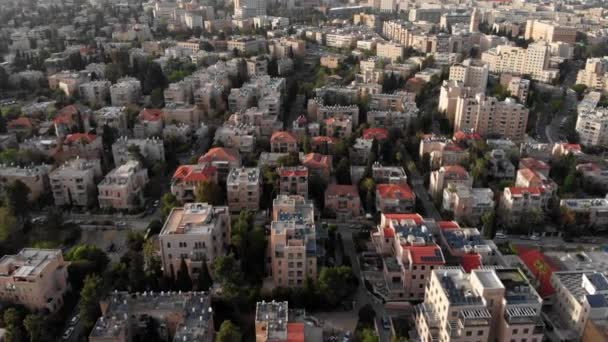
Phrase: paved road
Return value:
(417, 182)
(363, 297)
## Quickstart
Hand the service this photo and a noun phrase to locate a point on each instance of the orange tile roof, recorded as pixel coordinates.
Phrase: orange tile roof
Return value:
(571, 147)
(150, 114)
(420, 254)
(455, 169)
(471, 261)
(528, 174)
(453, 148)
(448, 225)
(66, 115)
(341, 190)
(317, 161)
(323, 139)
(88, 138)
(460, 135)
(219, 154)
(533, 164)
(377, 133)
(519, 191)
(20, 122)
(399, 217)
(194, 173)
(293, 172)
(295, 332)
(395, 191)
(389, 232)
(283, 136)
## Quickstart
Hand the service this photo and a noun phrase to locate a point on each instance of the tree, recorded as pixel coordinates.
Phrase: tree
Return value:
(228, 333)
(183, 281)
(8, 224)
(12, 322)
(89, 301)
(168, 202)
(204, 281)
(85, 260)
(209, 192)
(36, 326)
(135, 241)
(137, 276)
(16, 198)
(488, 223)
(336, 283)
(343, 171)
(157, 97)
(369, 335)
(367, 314)
(228, 274)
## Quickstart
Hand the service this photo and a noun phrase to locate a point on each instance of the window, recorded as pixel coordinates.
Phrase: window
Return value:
(469, 333)
(515, 331)
(168, 244)
(479, 332)
(526, 330)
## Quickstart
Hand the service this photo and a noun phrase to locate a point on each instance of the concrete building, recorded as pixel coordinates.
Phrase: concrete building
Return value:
(588, 212)
(186, 316)
(468, 204)
(95, 92)
(532, 61)
(272, 323)
(196, 233)
(446, 175)
(188, 178)
(500, 166)
(594, 173)
(388, 174)
(223, 159)
(488, 116)
(73, 183)
(485, 305)
(592, 127)
(343, 200)
(550, 32)
(123, 187)
(174, 113)
(151, 149)
(126, 92)
(246, 45)
(395, 198)
(244, 189)
(471, 73)
(36, 179)
(317, 164)
(516, 86)
(241, 137)
(293, 181)
(114, 117)
(516, 202)
(283, 142)
(390, 51)
(67, 81)
(257, 66)
(34, 278)
(293, 244)
(149, 124)
(594, 74)
(409, 254)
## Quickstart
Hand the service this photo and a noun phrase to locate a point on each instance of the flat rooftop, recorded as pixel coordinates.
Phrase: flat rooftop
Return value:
(28, 262)
(193, 218)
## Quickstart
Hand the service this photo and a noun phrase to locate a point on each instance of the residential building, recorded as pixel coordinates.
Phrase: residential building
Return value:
(149, 124)
(517, 202)
(500, 166)
(484, 305)
(488, 116)
(95, 92)
(409, 254)
(81, 145)
(550, 32)
(446, 175)
(44, 145)
(283, 142)
(388, 174)
(390, 51)
(580, 297)
(244, 189)
(256, 66)
(464, 244)
(152, 150)
(400, 120)
(594, 74)
(126, 92)
(67, 81)
(223, 159)
(186, 316)
(592, 127)
(594, 174)
(74, 182)
(468, 204)
(343, 200)
(123, 187)
(471, 73)
(318, 164)
(449, 95)
(400, 101)
(516, 86)
(293, 181)
(114, 117)
(241, 137)
(588, 212)
(188, 178)
(187, 114)
(532, 61)
(293, 244)
(272, 323)
(35, 278)
(331, 61)
(395, 198)
(339, 127)
(246, 45)
(36, 178)
(195, 233)
(72, 119)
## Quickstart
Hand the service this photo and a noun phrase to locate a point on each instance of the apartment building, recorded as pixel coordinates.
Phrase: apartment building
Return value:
(485, 305)
(95, 92)
(72, 119)
(149, 123)
(400, 101)
(272, 323)
(527, 178)
(465, 245)
(343, 200)
(126, 92)
(179, 93)
(339, 127)
(223, 159)
(35, 278)
(175, 113)
(341, 41)
(500, 165)
(588, 212)
(449, 94)
(246, 45)
(318, 164)
(594, 173)
(45, 145)
(594, 74)
(188, 178)
(395, 198)
(318, 112)
(293, 180)
(390, 51)
(388, 174)
(446, 175)
(533, 61)
(331, 61)
(471, 73)
(580, 297)
(256, 66)
(488, 116)
(515, 202)
(36, 178)
(283, 142)
(468, 204)
(151, 149)
(266, 122)
(550, 32)
(293, 244)
(409, 254)
(123, 187)
(244, 189)
(196, 233)
(392, 119)
(67, 81)
(74, 182)
(241, 137)
(114, 117)
(592, 127)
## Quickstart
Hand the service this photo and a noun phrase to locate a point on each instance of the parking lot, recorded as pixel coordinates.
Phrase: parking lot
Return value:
(111, 241)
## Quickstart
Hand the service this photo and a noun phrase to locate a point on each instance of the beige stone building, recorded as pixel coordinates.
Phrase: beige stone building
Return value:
(197, 233)
(592, 127)
(123, 187)
(36, 179)
(73, 183)
(283, 142)
(471, 73)
(293, 180)
(115, 117)
(223, 159)
(182, 113)
(533, 61)
(446, 175)
(244, 189)
(468, 204)
(331, 61)
(485, 305)
(594, 74)
(516, 86)
(515, 202)
(588, 212)
(389, 51)
(293, 245)
(188, 178)
(126, 92)
(395, 198)
(550, 32)
(343, 200)
(34, 278)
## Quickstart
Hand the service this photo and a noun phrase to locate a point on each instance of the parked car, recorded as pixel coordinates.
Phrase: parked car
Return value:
(500, 236)
(74, 320)
(68, 333)
(386, 324)
(534, 237)
(346, 337)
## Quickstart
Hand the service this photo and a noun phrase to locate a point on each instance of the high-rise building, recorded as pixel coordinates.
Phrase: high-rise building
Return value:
(472, 73)
(592, 127)
(533, 61)
(550, 32)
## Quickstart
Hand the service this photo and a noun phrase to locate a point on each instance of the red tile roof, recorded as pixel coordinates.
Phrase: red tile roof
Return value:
(448, 225)
(395, 191)
(150, 114)
(455, 169)
(528, 174)
(571, 147)
(377, 133)
(389, 232)
(219, 154)
(66, 115)
(400, 217)
(533, 164)
(293, 171)
(317, 161)
(194, 173)
(87, 138)
(323, 139)
(542, 268)
(460, 135)
(21, 122)
(419, 253)
(519, 191)
(471, 261)
(453, 148)
(341, 190)
(295, 332)
(283, 136)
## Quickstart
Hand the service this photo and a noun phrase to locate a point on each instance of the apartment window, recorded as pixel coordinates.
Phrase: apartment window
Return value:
(469, 333)
(479, 332)
(414, 276)
(526, 330)
(515, 331)
(168, 244)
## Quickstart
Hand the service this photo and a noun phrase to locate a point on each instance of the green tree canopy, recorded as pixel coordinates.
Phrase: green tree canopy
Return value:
(229, 333)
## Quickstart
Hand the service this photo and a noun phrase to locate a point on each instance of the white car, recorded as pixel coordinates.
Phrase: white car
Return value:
(534, 238)
(68, 333)
(500, 236)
